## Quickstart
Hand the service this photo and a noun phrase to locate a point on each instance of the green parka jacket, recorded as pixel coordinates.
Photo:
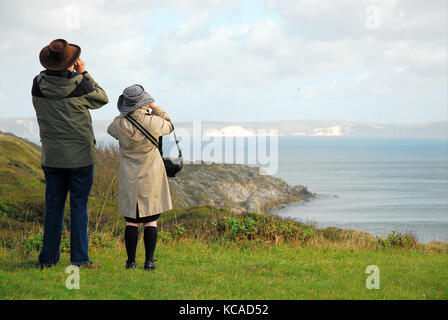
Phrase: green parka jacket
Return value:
(62, 100)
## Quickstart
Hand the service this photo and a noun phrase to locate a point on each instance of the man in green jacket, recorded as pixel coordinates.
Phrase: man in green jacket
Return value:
(62, 96)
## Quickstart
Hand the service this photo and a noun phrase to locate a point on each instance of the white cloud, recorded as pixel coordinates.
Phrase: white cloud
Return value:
(346, 86)
(308, 92)
(253, 55)
(322, 45)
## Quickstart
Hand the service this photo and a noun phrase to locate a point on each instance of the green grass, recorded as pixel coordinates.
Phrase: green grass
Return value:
(204, 252)
(196, 269)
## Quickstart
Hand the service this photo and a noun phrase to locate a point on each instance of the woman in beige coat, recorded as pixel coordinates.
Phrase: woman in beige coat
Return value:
(143, 190)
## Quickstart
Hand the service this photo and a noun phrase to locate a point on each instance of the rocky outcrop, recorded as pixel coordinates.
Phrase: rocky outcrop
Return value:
(234, 186)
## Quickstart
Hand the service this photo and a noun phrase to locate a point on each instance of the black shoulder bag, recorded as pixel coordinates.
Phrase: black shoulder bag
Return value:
(172, 165)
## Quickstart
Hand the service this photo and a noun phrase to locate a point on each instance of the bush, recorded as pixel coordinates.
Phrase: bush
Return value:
(398, 240)
(6, 211)
(307, 233)
(33, 243)
(238, 227)
(253, 226)
(101, 240)
(179, 231)
(164, 236)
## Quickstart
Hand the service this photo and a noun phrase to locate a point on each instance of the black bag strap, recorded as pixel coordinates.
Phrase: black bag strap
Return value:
(177, 141)
(151, 138)
(145, 132)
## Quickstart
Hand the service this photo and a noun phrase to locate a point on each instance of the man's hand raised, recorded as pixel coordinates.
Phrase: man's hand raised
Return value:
(80, 65)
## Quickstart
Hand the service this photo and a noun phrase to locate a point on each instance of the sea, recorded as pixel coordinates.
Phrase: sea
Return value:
(371, 184)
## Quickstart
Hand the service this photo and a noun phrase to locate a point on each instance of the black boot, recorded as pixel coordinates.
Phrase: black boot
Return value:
(131, 240)
(150, 238)
(150, 265)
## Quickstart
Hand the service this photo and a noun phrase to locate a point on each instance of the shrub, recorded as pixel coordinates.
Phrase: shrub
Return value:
(398, 240)
(307, 233)
(164, 236)
(6, 211)
(179, 231)
(101, 240)
(33, 243)
(253, 226)
(244, 227)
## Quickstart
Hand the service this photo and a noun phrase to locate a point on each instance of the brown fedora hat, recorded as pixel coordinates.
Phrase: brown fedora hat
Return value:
(59, 55)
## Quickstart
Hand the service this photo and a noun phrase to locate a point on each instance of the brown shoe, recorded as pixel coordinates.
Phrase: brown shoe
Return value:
(89, 265)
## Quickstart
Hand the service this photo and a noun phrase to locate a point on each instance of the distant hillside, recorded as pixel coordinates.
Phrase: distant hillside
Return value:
(316, 128)
(28, 128)
(21, 179)
(32, 144)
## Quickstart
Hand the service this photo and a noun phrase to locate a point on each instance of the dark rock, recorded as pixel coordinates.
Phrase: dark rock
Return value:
(235, 186)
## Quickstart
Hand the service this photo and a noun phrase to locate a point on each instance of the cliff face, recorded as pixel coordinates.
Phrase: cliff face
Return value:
(234, 186)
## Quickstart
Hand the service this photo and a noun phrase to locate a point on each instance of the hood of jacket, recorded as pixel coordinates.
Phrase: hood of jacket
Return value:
(58, 85)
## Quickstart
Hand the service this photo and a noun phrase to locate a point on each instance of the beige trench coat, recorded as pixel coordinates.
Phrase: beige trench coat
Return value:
(142, 178)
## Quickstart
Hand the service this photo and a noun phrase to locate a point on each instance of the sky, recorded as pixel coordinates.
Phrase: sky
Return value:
(380, 61)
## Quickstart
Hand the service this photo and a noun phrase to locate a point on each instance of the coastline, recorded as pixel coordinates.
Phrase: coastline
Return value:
(234, 186)
(344, 226)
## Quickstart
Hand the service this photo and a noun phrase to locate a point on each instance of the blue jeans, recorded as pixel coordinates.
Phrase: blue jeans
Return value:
(60, 181)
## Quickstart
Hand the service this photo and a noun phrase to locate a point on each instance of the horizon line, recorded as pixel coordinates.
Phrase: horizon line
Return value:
(258, 121)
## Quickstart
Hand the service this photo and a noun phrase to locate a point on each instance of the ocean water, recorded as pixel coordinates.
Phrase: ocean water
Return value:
(370, 184)
(375, 185)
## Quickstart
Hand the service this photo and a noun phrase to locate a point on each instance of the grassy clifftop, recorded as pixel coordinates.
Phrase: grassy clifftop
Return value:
(217, 250)
(202, 270)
